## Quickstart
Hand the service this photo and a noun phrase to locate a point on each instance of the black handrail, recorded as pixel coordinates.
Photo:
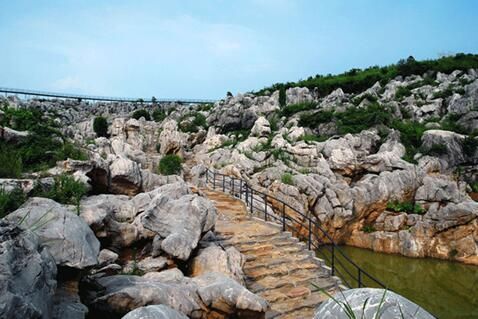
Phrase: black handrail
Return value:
(100, 98)
(260, 202)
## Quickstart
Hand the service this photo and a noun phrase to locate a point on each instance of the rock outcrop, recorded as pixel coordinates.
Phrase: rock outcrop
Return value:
(67, 237)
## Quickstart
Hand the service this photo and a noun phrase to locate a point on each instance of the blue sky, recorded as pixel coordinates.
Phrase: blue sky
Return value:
(204, 48)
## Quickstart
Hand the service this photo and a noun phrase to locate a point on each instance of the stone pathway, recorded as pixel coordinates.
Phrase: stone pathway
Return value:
(279, 267)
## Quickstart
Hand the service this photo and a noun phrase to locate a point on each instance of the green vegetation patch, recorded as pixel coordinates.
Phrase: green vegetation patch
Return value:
(358, 80)
(292, 109)
(41, 149)
(192, 126)
(100, 126)
(287, 178)
(170, 164)
(10, 201)
(141, 113)
(406, 207)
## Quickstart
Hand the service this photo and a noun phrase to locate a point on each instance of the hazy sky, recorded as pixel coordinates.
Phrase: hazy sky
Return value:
(204, 48)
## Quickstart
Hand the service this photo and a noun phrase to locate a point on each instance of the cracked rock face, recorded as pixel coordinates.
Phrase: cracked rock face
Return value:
(27, 274)
(67, 237)
(180, 222)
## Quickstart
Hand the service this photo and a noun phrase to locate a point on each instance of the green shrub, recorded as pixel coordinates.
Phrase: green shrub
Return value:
(159, 115)
(368, 229)
(406, 207)
(402, 92)
(450, 123)
(291, 109)
(435, 150)
(287, 178)
(141, 113)
(444, 94)
(100, 126)
(355, 120)
(470, 145)
(367, 96)
(411, 133)
(282, 97)
(280, 154)
(315, 119)
(474, 187)
(192, 126)
(312, 138)
(11, 163)
(10, 201)
(170, 165)
(357, 80)
(67, 190)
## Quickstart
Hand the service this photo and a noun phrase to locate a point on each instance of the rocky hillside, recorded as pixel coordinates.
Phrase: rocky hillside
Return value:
(392, 168)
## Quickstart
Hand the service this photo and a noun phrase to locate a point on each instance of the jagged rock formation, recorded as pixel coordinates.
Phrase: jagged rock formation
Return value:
(391, 169)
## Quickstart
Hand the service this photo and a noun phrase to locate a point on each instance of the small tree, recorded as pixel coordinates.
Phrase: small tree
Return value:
(229, 94)
(141, 113)
(100, 126)
(282, 97)
(170, 164)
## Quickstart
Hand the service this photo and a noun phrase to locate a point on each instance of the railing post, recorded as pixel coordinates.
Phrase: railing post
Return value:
(251, 194)
(240, 189)
(247, 195)
(223, 183)
(233, 194)
(359, 278)
(265, 207)
(214, 180)
(283, 216)
(333, 259)
(310, 233)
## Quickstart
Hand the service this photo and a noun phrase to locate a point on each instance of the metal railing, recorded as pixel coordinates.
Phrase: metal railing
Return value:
(302, 226)
(35, 93)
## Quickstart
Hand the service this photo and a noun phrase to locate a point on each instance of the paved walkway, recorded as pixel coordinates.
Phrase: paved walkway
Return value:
(279, 267)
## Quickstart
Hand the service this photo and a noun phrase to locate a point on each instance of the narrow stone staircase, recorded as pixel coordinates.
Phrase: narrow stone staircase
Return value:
(278, 266)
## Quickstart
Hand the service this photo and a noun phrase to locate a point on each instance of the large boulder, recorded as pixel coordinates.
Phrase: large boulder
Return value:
(261, 127)
(180, 222)
(216, 259)
(226, 296)
(27, 274)
(125, 176)
(68, 238)
(154, 312)
(121, 293)
(366, 302)
(171, 140)
(449, 145)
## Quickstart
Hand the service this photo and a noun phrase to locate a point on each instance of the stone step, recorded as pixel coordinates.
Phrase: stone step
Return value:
(291, 305)
(266, 261)
(239, 241)
(298, 278)
(279, 270)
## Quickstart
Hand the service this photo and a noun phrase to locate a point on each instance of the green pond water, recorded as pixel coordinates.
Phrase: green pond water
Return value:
(446, 289)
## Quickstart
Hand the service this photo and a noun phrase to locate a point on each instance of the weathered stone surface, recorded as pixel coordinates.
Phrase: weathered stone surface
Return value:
(393, 305)
(27, 274)
(125, 177)
(180, 222)
(154, 312)
(68, 238)
(227, 296)
(171, 140)
(67, 303)
(124, 293)
(215, 259)
(12, 136)
(261, 127)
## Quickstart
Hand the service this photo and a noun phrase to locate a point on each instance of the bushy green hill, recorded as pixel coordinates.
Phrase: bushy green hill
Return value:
(357, 80)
